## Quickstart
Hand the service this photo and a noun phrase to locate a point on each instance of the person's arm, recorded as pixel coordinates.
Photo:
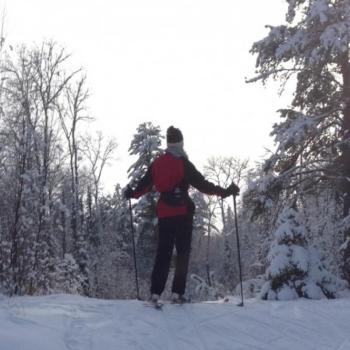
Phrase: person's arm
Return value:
(144, 186)
(197, 180)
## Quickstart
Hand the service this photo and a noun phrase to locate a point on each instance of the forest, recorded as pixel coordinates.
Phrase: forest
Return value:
(61, 233)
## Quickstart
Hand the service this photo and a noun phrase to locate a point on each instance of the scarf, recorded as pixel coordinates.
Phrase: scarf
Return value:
(177, 149)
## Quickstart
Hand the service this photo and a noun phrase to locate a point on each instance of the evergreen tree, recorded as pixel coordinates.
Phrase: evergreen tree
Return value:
(145, 145)
(295, 269)
(313, 138)
(261, 209)
(68, 278)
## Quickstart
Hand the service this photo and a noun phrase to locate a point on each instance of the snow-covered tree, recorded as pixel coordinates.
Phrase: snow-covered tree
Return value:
(42, 216)
(201, 290)
(230, 270)
(313, 138)
(112, 257)
(203, 222)
(295, 269)
(223, 171)
(145, 145)
(68, 278)
(5, 260)
(34, 81)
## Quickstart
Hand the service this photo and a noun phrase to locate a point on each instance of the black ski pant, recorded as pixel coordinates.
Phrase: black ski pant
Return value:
(173, 231)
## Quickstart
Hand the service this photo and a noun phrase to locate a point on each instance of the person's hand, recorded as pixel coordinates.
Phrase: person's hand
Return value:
(128, 192)
(232, 190)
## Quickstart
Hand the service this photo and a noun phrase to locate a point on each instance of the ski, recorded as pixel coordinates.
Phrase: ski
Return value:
(178, 299)
(180, 303)
(158, 305)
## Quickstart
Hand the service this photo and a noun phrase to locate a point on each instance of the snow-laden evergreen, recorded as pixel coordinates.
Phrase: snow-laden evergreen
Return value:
(295, 268)
(312, 139)
(146, 147)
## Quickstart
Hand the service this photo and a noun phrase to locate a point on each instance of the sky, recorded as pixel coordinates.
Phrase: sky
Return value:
(178, 62)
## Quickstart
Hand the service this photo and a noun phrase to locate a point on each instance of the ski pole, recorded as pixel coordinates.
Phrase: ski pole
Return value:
(238, 250)
(207, 258)
(134, 251)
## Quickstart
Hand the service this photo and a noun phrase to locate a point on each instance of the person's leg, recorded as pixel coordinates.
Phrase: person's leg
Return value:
(163, 257)
(183, 237)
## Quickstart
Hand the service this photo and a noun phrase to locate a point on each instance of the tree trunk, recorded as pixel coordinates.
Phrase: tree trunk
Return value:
(14, 231)
(345, 163)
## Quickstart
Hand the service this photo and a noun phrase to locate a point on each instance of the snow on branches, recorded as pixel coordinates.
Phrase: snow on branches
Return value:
(295, 269)
(146, 146)
(319, 35)
(313, 47)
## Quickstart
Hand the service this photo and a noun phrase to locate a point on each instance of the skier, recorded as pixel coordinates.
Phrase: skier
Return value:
(171, 174)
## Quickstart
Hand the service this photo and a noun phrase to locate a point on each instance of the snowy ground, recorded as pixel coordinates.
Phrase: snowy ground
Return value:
(63, 322)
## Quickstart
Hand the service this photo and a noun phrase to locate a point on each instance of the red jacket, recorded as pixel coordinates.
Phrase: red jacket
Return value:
(172, 176)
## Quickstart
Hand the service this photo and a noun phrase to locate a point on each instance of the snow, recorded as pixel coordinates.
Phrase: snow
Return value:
(286, 293)
(65, 322)
(294, 130)
(295, 268)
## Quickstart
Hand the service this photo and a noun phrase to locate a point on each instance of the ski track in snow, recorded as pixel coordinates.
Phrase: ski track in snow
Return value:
(63, 322)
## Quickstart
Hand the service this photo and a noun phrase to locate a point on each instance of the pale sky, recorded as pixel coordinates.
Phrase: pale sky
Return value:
(179, 62)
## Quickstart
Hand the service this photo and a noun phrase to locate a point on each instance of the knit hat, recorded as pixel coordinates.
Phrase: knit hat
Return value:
(173, 135)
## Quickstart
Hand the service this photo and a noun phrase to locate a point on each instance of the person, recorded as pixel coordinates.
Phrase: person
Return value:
(172, 174)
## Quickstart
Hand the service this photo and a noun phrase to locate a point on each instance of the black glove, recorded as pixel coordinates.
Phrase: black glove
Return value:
(232, 190)
(128, 192)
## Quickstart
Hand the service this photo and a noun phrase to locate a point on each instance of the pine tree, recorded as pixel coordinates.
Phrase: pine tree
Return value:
(295, 269)
(314, 136)
(146, 146)
(68, 278)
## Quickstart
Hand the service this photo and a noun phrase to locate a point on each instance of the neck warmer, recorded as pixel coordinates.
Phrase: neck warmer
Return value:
(177, 149)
